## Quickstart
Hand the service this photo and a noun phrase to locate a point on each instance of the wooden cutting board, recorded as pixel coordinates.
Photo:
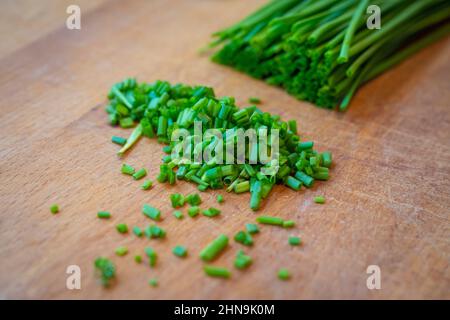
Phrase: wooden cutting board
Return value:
(387, 201)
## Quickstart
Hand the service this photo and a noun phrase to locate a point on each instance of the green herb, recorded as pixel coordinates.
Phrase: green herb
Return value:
(134, 137)
(119, 140)
(153, 282)
(244, 238)
(122, 228)
(137, 231)
(127, 169)
(252, 228)
(153, 231)
(180, 251)
(242, 261)
(177, 200)
(103, 214)
(294, 241)
(177, 214)
(151, 212)
(121, 251)
(140, 174)
(193, 211)
(288, 224)
(283, 274)
(138, 259)
(54, 208)
(270, 220)
(220, 198)
(147, 185)
(106, 270)
(212, 250)
(217, 272)
(254, 100)
(211, 212)
(194, 199)
(152, 256)
(319, 199)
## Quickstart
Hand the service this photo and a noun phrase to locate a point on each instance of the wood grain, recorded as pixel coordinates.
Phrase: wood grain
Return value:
(387, 202)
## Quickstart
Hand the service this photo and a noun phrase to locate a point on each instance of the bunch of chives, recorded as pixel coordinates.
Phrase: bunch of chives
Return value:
(322, 51)
(157, 109)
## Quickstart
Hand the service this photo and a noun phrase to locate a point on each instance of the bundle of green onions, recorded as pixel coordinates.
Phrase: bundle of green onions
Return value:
(322, 51)
(160, 108)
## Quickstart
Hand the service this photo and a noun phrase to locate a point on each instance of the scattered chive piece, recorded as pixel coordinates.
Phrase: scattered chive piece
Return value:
(153, 282)
(134, 137)
(147, 184)
(211, 212)
(294, 241)
(152, 256)
(122, 228)
(213, 249)
(180, 251)
(126, 123)
(153, 231)
(140, 174)
(252, 228)
(283, 274)
(121, 251)
(151, 212)
(138, 258)
(319, 199)
(177, 214)
(177, 200)
(138, 231)
(127, 169)
(254, 100)
(220, 198)
(103, 214)
(244, 238)
(194, 199)
(106, 270)
(242, 261)
(217, 272)
(119, 140)
(270, 220)
(193, 211)
(288, 224)
(167, 149)
(54, 208)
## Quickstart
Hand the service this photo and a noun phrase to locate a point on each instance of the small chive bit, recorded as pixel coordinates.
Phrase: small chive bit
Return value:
(319, 199)
(254, 100)
(242, 261)
(252, 228)
(193, 211)
(180, 251)
(217, 272)
(283, 274)
(121, 251)
(153, 232)
(54, 208)
(153, 282)
(211, 212)
(220, 198)
(151, 212)
(244, 238)
(140, 174)
(213, 249)
(118, 140)
(294, 241)
(147, 184)
(152, 256)
(138, 258)
(138, 231)
(177, 200)
(122, 228)
(103, 215)
(194, 199)
(127, 169)
(178, 214)
(288, 224)
(275, 221)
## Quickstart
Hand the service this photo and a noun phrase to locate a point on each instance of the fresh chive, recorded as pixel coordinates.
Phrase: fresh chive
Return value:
(244, 238)
(134, 137)
(213, 249)
(153, 231)
(103, 214)
(242, 261)
(147, 184)
(180, 251)
(270, 220)
(177, 214)
(106, 270)
(319, 199)
(121, 251)
(294, 241)
(119, 140)
(218, 272)
(288, 224)
(151, 212)
(283, 274)
(177, 200)
(122, 228)
(252, 228)
(153, 282)
(54, 208)
(220, 198)
(127, 169)
(211, 212)
(193, 211)
(152, 256)
(138, 258)
(254, 100)
(140, 174)
(137, 231)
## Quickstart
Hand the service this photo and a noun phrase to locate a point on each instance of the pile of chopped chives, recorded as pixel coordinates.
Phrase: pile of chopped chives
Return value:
(157, 109)
(322, 51)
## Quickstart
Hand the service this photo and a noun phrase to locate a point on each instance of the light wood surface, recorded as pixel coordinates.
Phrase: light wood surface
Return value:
(387, 201)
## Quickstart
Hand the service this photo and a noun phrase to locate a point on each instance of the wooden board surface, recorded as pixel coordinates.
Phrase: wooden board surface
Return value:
(387, 202)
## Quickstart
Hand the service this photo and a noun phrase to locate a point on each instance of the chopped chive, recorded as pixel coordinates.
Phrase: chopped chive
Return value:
(122, 228)
(153, 282)
(241, 187)
(319, 199)
(140, 174)
(121, 251)
(326, 159)
(147, 184)
(213, 249)
(177, 214)
(294, 241)
(252, 228)
(138, 231)
(211, 212)
(254, 100)
(270, 220)
(126, 123)
(138, 258)
(119, 140)
(153, 231)
(283, 274)
(193, 211)
(194, 199)
(103, 214)
(217, 272)
(288, 224)
(179, 251)
(177, 200)
(106, 270)
(54, 208)
(242, 261)
(244, 238)
(167, 149)
(151, 212)
(152, 256)
(127, 169)
(293, 183)
(220, 198)
(305, 145)
(134, 137)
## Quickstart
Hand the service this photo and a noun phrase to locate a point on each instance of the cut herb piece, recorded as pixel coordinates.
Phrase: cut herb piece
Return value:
(153, 231)
(217, 272)
(177, 200)
(147, 184)
(106, 270)
(220, 198)
(254, 100)
(119, 140)
(103, 214)
(319, 199)
(138, 259)
(121, 251)
(180, 251)
(213, 249)
(122, 228)
(140, 174)
(288, 224)
(244, 238)
(137, 231)
(152, 256)
(153, 282)
(127, 169)
(194, 199)
(252, 228)
(283, 274)
(294, 241)
(211, 212)
(54, 208)
(151, 212)
(242, 261)
(177, 214)
(270, 220)
(193, 211)
(134, 137)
